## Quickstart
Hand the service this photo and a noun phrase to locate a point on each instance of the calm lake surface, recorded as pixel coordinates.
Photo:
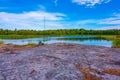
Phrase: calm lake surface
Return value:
(87, 40)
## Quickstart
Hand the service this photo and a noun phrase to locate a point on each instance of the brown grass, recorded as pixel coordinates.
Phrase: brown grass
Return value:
(24, 46)
(112, 71)
(87, 75)
(10, 48)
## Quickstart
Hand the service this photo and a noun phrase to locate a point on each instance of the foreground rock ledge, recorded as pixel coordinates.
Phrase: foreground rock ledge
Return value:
(61, 61)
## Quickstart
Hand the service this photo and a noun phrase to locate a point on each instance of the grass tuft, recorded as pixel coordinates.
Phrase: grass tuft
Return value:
(31, 44)
(1, 42)
(116, 44)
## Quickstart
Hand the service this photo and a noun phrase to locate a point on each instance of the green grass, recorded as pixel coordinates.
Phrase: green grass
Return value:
(107, 37)
(1, 42)
(116, 44)
(31, 43)
(110, 37)
(19, 36)
(114, 38)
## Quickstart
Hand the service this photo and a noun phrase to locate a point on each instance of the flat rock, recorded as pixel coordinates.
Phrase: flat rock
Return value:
(60, 61)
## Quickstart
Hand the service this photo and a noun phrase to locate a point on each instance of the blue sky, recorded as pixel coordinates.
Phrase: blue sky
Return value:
(60, 14)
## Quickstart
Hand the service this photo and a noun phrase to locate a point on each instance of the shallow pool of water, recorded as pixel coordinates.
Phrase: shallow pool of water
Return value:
(87, 40)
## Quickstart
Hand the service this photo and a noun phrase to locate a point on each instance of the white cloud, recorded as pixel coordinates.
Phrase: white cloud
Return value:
(110, 27)
(31, 15)
(41, 7)
(83, 22)
(112, 22)
(90, 3)
(31, 20)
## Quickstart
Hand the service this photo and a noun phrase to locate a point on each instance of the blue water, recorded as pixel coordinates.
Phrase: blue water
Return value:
(49, 40)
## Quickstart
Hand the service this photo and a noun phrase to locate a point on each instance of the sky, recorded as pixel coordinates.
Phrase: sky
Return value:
(60, 14)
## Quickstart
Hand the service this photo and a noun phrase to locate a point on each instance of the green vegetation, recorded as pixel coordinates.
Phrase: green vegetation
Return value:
(20, 34)
(110, 37)
(1, 42)
(116, 44)
(59, 32)
(114, 38)
(82, 39)
(31, 43)
(102, 34)
(40, 43)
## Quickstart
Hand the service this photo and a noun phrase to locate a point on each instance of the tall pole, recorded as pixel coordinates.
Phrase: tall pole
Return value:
(44, 22)
(44, 30)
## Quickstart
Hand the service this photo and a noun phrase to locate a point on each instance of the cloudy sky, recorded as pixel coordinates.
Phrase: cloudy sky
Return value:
(60, 14)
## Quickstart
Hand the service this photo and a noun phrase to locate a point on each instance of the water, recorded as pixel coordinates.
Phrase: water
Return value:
(87, 40)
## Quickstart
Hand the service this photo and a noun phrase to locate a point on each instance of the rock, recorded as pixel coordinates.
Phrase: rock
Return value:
(60, 61)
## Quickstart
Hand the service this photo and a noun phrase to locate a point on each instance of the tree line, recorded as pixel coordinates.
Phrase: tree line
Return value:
(60, 32)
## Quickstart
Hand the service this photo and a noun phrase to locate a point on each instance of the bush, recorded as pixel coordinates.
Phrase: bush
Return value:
(1, 42)
(40, 43)
(116, 44)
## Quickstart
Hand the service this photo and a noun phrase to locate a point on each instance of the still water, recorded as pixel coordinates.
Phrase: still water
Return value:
(87, 40)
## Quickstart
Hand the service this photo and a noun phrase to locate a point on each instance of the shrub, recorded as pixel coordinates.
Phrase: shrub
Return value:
(116, 44)
(1, 42)
(40, 43)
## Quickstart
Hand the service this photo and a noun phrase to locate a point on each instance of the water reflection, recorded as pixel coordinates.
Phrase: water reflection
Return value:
(87, 40)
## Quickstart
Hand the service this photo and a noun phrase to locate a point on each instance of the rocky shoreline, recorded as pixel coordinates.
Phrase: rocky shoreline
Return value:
(60, 61)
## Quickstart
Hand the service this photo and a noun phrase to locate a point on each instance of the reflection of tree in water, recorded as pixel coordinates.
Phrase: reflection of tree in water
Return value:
(82, 39)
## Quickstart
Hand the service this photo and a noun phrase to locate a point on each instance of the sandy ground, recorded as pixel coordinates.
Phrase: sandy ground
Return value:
(61, 61)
